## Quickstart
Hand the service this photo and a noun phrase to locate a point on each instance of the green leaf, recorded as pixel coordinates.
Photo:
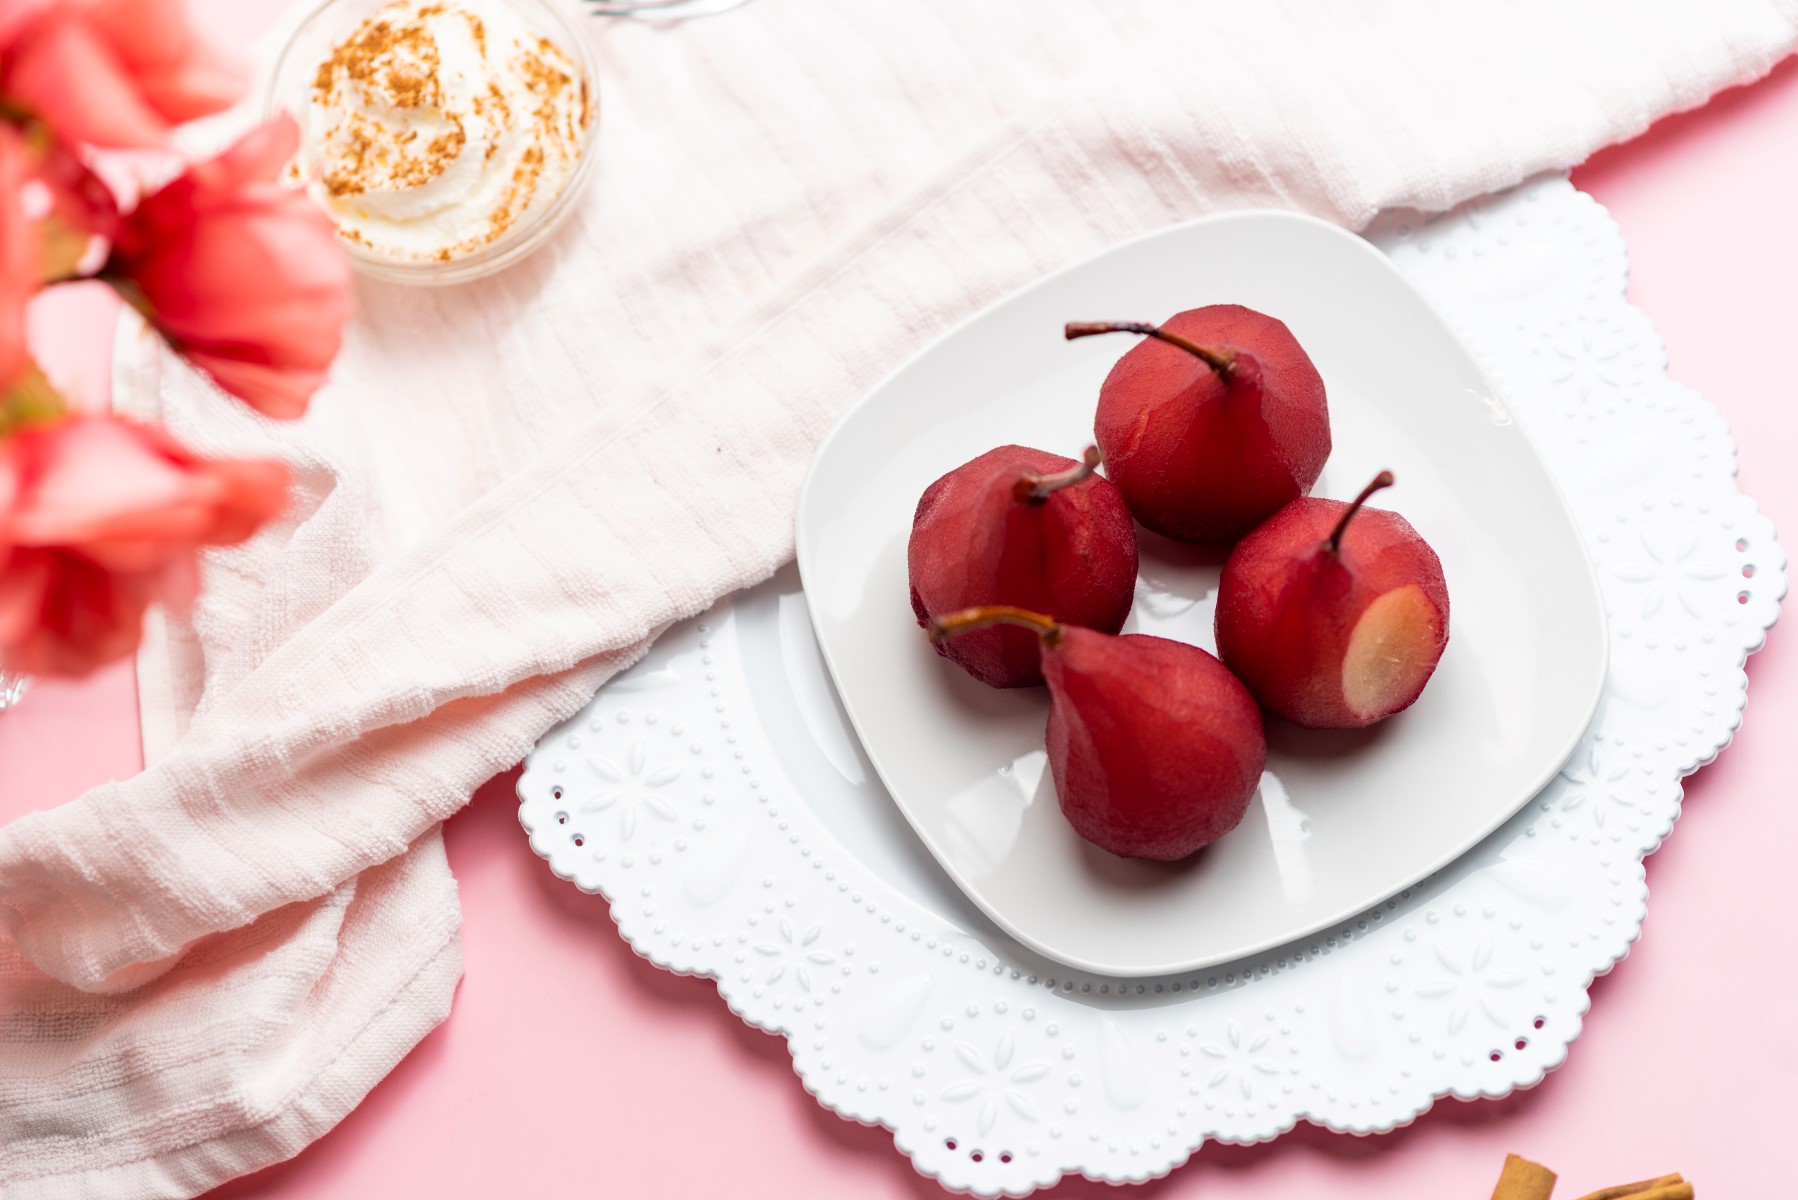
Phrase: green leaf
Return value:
(62, 248)
(31, 400)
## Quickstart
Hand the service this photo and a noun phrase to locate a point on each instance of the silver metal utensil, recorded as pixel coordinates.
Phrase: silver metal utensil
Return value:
(661, 10)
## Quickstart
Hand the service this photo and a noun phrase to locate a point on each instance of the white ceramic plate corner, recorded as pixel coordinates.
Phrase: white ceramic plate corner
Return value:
(1341, 821)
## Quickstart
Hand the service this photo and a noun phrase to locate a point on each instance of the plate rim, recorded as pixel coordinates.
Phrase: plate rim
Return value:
(805, 553)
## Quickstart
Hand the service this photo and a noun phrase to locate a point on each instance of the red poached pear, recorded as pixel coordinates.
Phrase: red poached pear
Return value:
(1212, 423)
(1155, 747)
(1025, 527)
(1334, 615)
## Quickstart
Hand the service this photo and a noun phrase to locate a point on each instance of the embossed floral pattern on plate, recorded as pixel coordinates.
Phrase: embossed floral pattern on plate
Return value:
(999, 1072)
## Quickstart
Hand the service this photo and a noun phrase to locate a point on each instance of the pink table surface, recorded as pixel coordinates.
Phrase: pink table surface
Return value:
(570, 1065)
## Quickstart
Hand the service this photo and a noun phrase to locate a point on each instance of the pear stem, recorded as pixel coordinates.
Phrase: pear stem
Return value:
(1035, 489)
(1382, 480)
(1221, 361)
(969, 619)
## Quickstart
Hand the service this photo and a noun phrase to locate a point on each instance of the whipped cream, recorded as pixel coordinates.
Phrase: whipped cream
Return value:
(439, 126)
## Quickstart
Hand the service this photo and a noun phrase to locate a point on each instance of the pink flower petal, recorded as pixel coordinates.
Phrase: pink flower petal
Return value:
(242, 276)
(65, 73)
(101, 517)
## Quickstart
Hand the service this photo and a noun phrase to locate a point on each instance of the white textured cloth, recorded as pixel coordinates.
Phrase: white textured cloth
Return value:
(512, 486)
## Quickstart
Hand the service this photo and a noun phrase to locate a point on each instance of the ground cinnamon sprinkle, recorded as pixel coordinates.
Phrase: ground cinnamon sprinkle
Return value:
(519, 194)
(545, 80)
(412, 93)
(502, 115)
(396, 59)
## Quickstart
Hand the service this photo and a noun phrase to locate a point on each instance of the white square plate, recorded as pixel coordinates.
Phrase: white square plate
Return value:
(1342, 820)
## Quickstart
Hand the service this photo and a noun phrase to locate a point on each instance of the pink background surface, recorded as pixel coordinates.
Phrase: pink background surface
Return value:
(572, 1066)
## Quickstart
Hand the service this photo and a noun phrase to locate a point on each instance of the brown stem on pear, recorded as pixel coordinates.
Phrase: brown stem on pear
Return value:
(1382, 480)
(969, 619)
(1221, 361)
(1035, 489)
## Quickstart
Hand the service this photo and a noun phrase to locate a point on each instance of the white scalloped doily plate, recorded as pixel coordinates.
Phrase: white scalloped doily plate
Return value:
(739, 834)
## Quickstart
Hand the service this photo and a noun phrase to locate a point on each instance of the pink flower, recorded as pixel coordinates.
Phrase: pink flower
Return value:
(101, 518)
(111, 73)
(81, 205)
(19, 254)
(240, 273)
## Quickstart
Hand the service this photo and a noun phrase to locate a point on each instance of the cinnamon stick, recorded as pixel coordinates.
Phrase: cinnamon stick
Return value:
(1666, 1187)
(1524, 1180)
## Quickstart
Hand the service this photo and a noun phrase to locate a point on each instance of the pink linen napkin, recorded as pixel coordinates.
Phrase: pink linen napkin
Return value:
(512, 486)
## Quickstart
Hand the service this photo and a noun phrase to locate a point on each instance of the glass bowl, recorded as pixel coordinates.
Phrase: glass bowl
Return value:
(328, 25)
